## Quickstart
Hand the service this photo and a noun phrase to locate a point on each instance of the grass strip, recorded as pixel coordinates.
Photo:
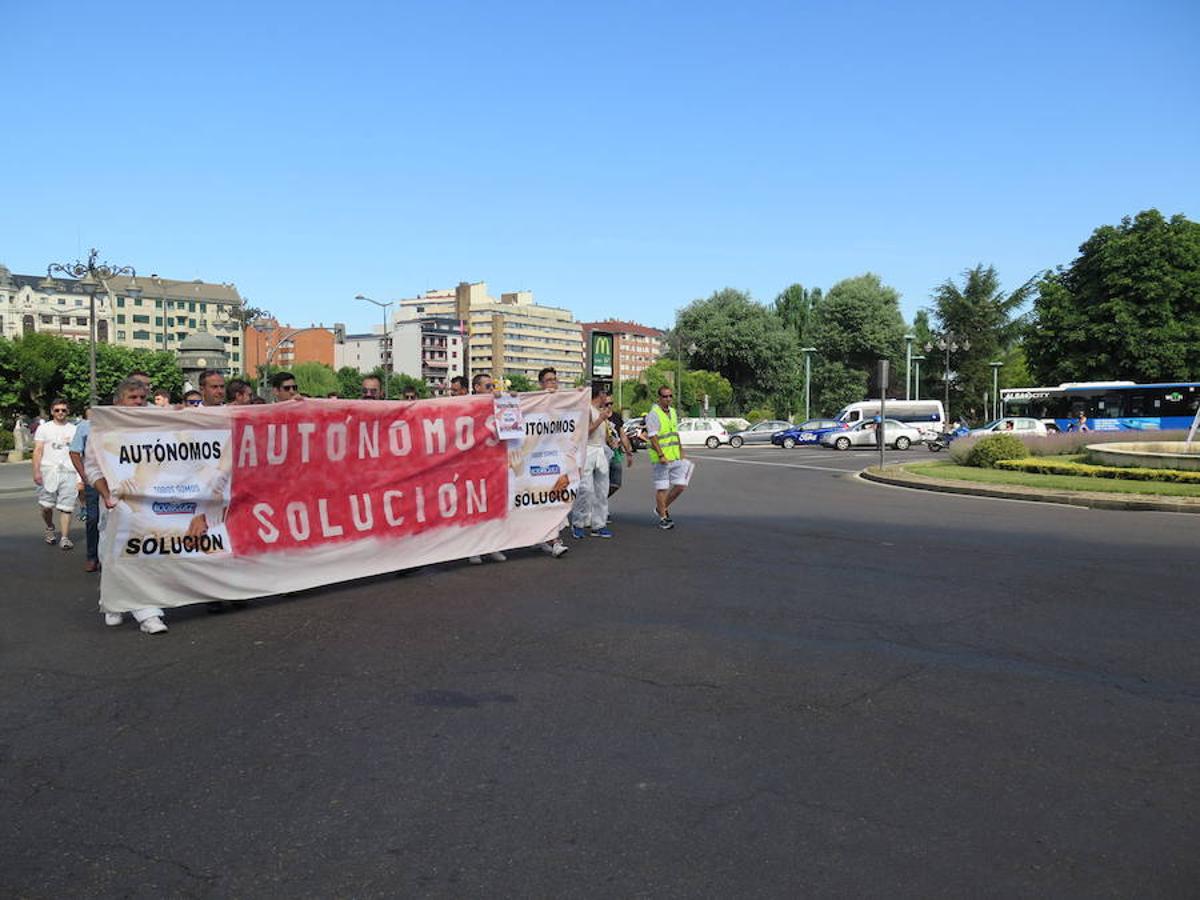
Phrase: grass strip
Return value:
(951, 472)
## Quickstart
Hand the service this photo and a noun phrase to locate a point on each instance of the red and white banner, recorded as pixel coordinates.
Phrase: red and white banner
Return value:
(234, 502)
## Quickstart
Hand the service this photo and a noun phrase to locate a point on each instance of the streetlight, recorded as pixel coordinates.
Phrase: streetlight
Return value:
(383, 342)
(948, 342)
(996, 388)
(807, 351)
(92, 277)
(917, 377)
(908, 342)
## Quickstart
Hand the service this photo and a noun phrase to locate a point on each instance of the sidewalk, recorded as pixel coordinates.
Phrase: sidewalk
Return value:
(16, 478)
(897, 476)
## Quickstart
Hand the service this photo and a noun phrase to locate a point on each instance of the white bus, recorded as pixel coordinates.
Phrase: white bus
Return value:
(927, 415)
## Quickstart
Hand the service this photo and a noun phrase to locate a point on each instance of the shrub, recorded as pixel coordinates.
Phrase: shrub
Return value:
(989, 450)
(760, 413)
(1123, 473)
(6, 441)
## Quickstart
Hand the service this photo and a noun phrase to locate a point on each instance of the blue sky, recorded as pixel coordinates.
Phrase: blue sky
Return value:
(618, 159)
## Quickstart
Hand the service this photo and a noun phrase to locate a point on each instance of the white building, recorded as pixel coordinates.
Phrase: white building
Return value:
(429, 348)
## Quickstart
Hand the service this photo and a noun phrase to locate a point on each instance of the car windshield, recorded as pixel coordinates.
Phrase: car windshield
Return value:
(990, 425)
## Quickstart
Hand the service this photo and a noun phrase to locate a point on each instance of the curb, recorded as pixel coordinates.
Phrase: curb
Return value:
(1066, 498)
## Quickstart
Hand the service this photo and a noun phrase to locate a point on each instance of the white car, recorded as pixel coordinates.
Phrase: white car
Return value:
(897, 434)
(702, 433)
(1011, 424)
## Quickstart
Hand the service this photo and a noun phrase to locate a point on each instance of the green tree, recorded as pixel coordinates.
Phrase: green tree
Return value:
(519, 382)
(743, 341)
(316, 379)
(1128, 307)
(856, 324)
(978, 311)
(795, 306)
(349, 382)
(35, 370)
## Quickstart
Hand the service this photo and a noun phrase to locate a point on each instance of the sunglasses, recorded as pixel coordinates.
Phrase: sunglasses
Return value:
(59, 410)
(288, 387)
(193, 402)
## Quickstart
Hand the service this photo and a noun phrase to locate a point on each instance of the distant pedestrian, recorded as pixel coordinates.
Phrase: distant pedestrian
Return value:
(409, 393)
(458, 386)
(193, 398)
(284, 386)
(238, 393)
(212, 387)
(620, 451)
(91, 499)
(371, 388)
(162, 398)
(1081, 423)
(54, 475)
(671, 469)
(548, 381)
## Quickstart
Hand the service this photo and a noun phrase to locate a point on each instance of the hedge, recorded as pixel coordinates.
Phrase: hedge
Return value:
(1052, 467)
(990, 450)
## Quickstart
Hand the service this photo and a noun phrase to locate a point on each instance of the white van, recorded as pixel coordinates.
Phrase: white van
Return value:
(926, 415)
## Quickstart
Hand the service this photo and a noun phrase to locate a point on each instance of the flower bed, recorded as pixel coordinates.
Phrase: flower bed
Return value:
(1128, 473)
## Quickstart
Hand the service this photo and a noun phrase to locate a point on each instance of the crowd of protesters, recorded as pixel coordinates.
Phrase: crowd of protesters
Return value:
(64, 470)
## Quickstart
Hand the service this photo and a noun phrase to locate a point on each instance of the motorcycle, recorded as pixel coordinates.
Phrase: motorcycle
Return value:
(942, 440)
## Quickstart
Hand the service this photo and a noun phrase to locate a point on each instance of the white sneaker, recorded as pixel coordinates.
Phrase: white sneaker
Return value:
(497, 557)
(67, 544)
(114, 618)
(154, 626)
(475, 560)
(558, 548)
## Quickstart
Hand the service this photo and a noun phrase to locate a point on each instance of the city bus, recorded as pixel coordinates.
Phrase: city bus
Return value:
(1108, 405)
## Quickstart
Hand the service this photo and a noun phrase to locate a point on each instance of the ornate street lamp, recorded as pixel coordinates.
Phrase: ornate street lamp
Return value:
(93, 277)
(948, 342)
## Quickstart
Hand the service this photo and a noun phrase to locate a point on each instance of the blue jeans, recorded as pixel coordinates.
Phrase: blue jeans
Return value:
(91, 500)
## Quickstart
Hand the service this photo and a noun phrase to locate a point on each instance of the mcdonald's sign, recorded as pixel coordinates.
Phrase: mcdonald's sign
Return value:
(602, 355)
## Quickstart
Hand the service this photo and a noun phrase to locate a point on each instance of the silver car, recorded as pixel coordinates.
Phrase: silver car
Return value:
(758, 434)
(895, 433)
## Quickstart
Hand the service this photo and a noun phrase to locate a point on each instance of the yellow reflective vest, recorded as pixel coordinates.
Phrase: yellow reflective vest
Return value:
(668, 435)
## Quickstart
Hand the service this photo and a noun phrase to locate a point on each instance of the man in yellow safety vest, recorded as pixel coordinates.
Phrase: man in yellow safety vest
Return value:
(671, 471)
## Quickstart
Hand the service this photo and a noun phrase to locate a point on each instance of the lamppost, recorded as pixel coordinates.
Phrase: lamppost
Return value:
(948, 343)
(917, 377)
(999, 411)
(807, 351)
(383, 342)
(92, 277)
(908, 342)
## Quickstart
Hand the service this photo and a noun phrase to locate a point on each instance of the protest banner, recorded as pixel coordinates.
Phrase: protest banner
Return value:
(235, 502)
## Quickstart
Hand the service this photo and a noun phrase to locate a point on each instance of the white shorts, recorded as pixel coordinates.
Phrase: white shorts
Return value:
(675, 472)
(58, 491)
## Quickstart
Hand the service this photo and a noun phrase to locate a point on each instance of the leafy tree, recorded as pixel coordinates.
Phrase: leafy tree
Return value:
(743, 341)
(519, 382)
(36, 362)
(923, 333)
(856, 324)
(349, 382)
(399, 381)
(795, 306)
(316, 379)
(986, 316)
(1128, 307)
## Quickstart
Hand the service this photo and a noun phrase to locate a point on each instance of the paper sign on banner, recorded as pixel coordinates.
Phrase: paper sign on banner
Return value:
(510, 423)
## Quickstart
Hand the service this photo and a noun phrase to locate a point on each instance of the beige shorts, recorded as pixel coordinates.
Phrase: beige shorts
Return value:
(58, 490)
(676, 472)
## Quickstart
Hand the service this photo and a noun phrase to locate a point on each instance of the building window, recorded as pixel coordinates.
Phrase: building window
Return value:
(102, 331)
(47, 320)
(27, 325)
(141, 335)
(120, 318)
(81, 320)
(235, 356)
(192, 322)
(141, 320)
(158, 321)
(120, 335)
(121, 302)
(236, 340)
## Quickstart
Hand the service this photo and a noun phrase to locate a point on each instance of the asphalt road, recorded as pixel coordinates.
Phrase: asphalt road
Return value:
(812, 687)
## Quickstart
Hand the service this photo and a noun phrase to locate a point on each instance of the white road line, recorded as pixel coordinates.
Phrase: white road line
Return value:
(752, 462)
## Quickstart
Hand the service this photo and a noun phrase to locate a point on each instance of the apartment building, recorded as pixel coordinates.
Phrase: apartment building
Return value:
(159, 315)
(506, 336)
(285, 345)
(635, 347)
(430, 348)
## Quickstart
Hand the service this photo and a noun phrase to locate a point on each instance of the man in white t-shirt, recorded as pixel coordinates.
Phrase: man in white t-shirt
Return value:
(591, 504)
(58, 484)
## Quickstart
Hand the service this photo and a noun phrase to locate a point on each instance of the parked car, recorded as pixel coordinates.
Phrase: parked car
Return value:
(635, 430)
(895, 434)
(809, 432)
(762, 433)
(1014, 424)
(702, 432)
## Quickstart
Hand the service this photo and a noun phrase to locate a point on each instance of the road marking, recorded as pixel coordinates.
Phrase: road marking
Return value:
(753, 462)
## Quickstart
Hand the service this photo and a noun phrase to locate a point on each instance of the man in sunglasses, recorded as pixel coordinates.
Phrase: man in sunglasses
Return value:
(193, 398)
(285, 387)
(671, 471)
(54, 475)
(372, 388)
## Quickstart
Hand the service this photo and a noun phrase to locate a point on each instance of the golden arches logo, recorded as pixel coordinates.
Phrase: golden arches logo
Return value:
(602, 345)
